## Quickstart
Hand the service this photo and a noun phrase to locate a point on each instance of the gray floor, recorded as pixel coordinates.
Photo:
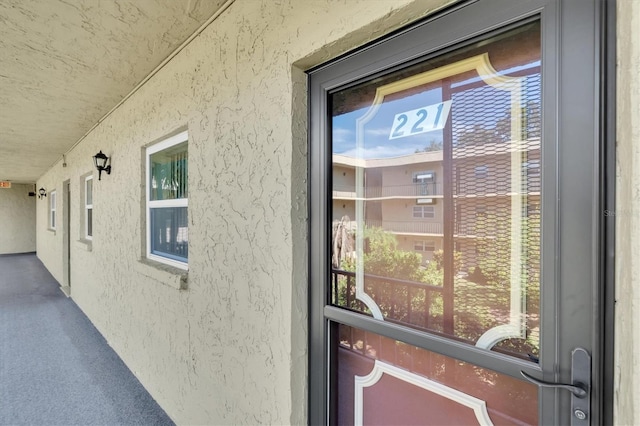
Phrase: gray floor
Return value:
(55, 367)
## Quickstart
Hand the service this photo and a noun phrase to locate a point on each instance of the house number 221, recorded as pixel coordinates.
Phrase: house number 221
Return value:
(420, 120)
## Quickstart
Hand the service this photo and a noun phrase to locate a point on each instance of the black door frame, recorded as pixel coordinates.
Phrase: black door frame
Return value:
(395, 51)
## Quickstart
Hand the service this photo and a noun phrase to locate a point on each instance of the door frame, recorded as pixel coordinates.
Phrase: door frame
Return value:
(66, 237)
(607, 241)
(394, 50)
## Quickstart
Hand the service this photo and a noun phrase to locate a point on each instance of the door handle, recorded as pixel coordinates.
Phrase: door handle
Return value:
(576, 389)
(580, 386)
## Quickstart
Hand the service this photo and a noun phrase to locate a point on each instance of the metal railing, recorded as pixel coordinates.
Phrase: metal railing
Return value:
(389, 191)
(419, 226)
(402, 301)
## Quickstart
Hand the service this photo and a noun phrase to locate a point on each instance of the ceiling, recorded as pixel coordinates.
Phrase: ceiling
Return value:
(64, 64)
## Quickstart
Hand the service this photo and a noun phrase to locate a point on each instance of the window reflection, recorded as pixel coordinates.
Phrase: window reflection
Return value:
(436, 195)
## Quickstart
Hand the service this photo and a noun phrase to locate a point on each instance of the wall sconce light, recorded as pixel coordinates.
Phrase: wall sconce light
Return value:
(103, 163)
(42, 193)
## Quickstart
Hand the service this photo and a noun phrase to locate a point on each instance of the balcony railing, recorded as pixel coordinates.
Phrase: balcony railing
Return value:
(478, 188)
(470, 229)
(426, 190)
(401, 301)
(416, 190)
(419, 226)
(411, 190)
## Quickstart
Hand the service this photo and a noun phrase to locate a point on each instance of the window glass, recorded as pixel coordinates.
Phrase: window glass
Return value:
(52, 210)
(90, 223)
(457, 135)
(167, 201)
(169, 173)
(170, 233)
(481, 171)
(424, 212)
(89, 196)
(421, 245)
(88, 208)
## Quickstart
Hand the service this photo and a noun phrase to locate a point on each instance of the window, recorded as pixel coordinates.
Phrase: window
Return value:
(52, 209)
(167, 200)
(421, 245)
(533, 209)
(424, 212)
(481, 172)
(531, 168)
(425, 182)
(88, 207)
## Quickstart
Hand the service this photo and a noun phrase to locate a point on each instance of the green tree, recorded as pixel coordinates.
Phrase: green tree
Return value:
(384, 264)
(434, 145)
(383, 258)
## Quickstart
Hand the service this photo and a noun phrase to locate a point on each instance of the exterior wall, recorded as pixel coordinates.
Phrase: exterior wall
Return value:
(49, 242)
(408, 243)
(344, 193)
(344, 178)
(18, 213)
(230, 349)
(344, 207)
(627, 352)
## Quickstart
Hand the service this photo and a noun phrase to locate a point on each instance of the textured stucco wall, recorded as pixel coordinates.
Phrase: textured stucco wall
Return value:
(48, 241)
(18, 216)
(627, 379)
(231, 349)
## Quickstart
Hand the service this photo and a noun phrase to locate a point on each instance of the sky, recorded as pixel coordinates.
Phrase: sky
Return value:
(482, 106)
(377, 142)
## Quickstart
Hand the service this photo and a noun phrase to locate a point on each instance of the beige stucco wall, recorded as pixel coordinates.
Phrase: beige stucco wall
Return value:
(627, 364)
(231, 349)
(18, 215)
(49, 241)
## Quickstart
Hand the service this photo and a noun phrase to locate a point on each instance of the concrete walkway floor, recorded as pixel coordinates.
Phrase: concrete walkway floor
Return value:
(55, 367)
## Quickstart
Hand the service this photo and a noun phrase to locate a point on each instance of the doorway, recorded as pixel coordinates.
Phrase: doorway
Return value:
(496, 325)
(66, 239)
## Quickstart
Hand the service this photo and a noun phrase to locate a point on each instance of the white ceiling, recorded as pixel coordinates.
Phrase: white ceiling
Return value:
(65, 63)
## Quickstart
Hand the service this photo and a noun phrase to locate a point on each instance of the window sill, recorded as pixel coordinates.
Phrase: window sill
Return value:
(165, 274)
(53, 231)
(86, 245)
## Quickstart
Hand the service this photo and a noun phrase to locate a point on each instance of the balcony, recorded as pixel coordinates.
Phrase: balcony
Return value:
(418, 227)
(480, 188)
(413, 190)
(405, 302)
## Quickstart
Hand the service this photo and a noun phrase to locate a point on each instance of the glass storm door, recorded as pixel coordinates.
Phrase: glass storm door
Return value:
(453, 218)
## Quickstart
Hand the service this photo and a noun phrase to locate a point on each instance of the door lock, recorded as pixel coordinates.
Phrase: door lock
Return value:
(580, 386)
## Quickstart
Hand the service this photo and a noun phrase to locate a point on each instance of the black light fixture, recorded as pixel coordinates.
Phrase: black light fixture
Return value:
(42, 193)
(102, 162)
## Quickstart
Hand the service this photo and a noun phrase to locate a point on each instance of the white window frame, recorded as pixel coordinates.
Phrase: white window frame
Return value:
(181, 202)
(427, 246)
(423, 212)
(87, 207)
(53, 199)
